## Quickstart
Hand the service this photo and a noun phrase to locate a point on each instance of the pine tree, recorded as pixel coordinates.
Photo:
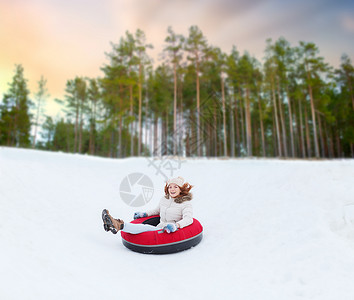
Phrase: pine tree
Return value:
(270, 75)
(76, 96)
(15, 116)
(196, 45)
(218, 62)
(344, 107)
(143, 61)
(292, 107)
(246, 69)
(233, 80)
(47, 134)
(174, 47)
(94, 97)
(311, 67)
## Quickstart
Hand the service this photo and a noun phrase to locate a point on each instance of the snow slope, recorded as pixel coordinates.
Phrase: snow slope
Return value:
(273, 229)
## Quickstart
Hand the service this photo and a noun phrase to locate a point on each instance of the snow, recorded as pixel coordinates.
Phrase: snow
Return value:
(273, 229)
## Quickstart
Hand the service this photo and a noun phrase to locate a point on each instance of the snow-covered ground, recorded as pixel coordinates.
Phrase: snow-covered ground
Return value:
(273, 229)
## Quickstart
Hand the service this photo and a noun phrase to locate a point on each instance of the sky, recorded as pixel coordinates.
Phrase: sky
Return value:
(62, 39)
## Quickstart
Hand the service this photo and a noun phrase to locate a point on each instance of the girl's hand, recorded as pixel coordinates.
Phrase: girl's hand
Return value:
(139, 215)
(170, 228)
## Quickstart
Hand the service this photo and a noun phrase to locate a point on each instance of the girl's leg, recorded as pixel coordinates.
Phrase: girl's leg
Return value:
(138, 228)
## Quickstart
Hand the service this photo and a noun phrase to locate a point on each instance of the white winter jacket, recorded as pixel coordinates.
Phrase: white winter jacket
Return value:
(177, 211)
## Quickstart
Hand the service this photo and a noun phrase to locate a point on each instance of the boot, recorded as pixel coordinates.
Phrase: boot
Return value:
(111, 224)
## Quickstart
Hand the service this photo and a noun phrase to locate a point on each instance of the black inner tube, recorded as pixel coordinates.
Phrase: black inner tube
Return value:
(152, 221)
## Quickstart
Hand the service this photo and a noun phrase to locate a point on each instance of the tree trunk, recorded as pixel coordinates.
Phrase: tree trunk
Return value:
(91, 128)
(248, 123)
(9, 130)
(188, 153)
(223, 113)
(175, 137)
(140, 105)
(192, 134)
(182, 130)
(212, 140)
(155, 135)
(166, 135)
(151, 136)
(301, 129)
(68, 138)
(256, 144)
(131, 120)
(111, 143)
(274, 135)
(308, 141)
(238, 142)
(290, 123)
(243, 135)
(339, 150)
(14, 137)
(215, 133)
(76, 127)
(36, 124)
(350, 88)
(282, 122)
(198, 107)
(147, 121)
(232, 133)
(262, 127)
(321, 135)
(80, 130)
(276, 119)
(329, 142)
(120, 146)
(94, 127)
(314, 124)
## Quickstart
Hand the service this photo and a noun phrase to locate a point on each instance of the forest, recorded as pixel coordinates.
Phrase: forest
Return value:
(198, 101)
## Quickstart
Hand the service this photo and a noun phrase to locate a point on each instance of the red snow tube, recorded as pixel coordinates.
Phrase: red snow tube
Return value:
(158, 242)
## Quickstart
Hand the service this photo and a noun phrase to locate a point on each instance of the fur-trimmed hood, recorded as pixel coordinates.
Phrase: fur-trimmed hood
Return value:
(182, 199)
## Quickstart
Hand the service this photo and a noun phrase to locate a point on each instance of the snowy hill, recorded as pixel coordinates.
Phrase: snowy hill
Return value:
(273, 229)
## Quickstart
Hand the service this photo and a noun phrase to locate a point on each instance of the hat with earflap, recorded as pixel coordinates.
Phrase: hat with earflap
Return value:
(179, 181)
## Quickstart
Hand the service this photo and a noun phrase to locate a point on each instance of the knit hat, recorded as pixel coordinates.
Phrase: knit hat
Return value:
(179, 181)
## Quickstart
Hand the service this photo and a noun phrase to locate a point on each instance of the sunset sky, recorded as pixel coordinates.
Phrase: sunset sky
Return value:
(61, 39)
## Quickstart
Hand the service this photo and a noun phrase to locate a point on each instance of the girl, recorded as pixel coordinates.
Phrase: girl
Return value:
(175, 210)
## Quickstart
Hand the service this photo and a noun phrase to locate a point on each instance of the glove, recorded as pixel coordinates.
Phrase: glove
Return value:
(170, 228)
(139, 215)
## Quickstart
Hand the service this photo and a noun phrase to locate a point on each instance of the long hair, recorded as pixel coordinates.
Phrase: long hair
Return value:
(185, 188)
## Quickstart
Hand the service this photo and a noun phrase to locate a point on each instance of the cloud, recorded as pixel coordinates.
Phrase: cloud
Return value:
(62, 39)
(53, 40)
(155, 13)
(347, 23)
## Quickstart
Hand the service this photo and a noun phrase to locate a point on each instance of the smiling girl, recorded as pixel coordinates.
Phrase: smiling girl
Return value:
(175, 210)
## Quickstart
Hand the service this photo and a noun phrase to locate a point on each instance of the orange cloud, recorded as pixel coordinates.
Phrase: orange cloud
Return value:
(51, 41)
(63, 39)
(348, 23)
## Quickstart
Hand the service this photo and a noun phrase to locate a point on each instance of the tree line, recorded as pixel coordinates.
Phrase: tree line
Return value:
(199, 101)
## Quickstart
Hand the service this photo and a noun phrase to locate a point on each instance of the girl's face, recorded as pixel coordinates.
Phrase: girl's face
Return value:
(174, 190)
